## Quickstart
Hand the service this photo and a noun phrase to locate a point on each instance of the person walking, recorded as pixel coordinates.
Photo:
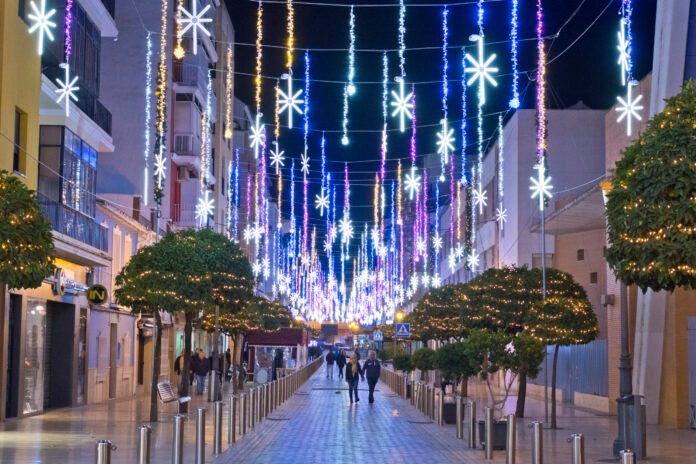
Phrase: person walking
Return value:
(200, 368)
(372, 370)
(330, 358)
(353, 374)
(341, 363)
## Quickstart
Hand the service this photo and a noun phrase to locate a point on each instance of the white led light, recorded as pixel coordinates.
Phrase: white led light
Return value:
(194, 21)
(42, 23)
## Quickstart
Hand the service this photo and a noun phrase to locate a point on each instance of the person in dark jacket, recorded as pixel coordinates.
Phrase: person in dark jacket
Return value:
(200, 368)
(341, 363)
(372, 370)
(330, 358)
(354, 372)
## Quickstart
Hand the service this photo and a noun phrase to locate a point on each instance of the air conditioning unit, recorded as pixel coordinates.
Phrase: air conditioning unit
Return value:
(607, 300)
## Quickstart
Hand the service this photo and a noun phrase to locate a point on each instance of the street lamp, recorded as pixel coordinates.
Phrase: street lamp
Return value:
(399, 316)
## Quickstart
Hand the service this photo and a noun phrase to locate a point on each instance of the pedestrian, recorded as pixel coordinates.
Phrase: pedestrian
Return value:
(200, 368)
(330, 358)
(353, 374)
(179, 371)
(341, 363)
(372, 370)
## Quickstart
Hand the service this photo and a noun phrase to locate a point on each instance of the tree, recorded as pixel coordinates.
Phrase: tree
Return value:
(402, 362)
(651, 212)
(26, 243)
(189, 271)
(457, 362)
(443, 313)
(424, 359)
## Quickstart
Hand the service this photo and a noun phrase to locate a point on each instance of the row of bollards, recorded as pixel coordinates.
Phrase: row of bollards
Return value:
(245, 411)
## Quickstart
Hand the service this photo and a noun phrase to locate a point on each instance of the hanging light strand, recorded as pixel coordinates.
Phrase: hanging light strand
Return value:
(514, 44)
(402, 38)
(161, 120)
(290, 52)
(148, 119)
(259, 56)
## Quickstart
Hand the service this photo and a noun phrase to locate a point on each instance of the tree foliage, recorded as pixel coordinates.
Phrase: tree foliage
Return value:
(444, 313)
(402, 362)
(458, 361)
(26, 243)
(651, 208)
(260, 314)
(424, 359)
(563, 321)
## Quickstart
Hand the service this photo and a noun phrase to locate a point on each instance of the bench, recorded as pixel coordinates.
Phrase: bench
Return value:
(168, 395)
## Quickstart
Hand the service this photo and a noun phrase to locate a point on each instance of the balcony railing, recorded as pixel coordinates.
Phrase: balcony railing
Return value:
(189, 74)
(75, 225)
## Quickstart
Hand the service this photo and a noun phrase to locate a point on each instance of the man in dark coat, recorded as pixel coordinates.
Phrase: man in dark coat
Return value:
(372, 370)
(330, 358)
(341, 363)
(200, 367)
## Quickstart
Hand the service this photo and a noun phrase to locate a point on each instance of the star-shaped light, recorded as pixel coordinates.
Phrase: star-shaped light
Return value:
(412, 182)
(481, 70)
(277, 158)
(266, 263)
(257, 138)
(480, 198)
(305, 164)
(249, 233)
(321, 202)
(473, 260)
(445, 140)
(501, 215)
(403, 104)
(452, 261)
(541, 186)
(204, 208)
(289, 101)
(437, 242)
(414, 282)
(194, 20)
(66, 89)
(256, 268)
(425, 280)
(42, 22)
(160, 167)
(345, 227)
(436, 281)
(409, 294)
(459, 251)
(327, 245)
(623, 52)
(420, 246)
(631, 109)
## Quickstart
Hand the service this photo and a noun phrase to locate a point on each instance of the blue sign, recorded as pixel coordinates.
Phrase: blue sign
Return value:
(402, 330)
(377, 336)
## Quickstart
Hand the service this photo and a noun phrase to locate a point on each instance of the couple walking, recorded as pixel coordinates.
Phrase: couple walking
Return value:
(339, 359)
(355, 372)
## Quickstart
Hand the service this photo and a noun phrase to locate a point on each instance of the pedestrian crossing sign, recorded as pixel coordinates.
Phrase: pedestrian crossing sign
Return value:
(403, 330)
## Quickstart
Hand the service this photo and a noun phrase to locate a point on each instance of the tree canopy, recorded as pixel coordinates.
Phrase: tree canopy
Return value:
(26, 243)
(260, 314)
(444, 313)
(651, 208)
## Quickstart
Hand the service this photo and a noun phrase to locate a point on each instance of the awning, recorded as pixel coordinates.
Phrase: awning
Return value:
(584, 212)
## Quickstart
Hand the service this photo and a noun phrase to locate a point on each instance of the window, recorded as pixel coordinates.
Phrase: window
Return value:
(581, 255)
(18, 154)
(593, 277)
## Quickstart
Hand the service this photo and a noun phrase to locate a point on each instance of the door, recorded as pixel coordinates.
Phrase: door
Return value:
(13, 353)
(59, 365)
(113, 361)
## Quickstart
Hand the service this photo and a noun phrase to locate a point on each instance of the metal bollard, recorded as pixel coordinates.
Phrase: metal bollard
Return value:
(578, 452)
(232, 421)
(243, 411)
(440, 407)
(538, 443)
(103, 452)
(212, 387)
(628, 457)
(217, 428)
(460, 417)
(266, 399)
(200, 436)
(178, 441)
(252, 408)
(511, 439)
(432, 404)
(144, 440)
(488, 416)
(471, 421)
(404, 383)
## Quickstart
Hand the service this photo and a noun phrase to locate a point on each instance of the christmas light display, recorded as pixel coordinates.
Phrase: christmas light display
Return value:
(501, 212)
(67, 88)
(229, 88)
(161, 120)
(179, 51)
(195, 22)
(205, 208)
(290, 101)
(402, 103)
(349, 89)
(148, 118)
(257, 138)
(481, 69)
(259, 56)
(42, 23)
(630, 109)
(277, 158)
(514, 44)
(541, 185)
(412, 183)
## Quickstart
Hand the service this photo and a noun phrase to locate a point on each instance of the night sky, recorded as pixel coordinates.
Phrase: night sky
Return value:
(586, 71)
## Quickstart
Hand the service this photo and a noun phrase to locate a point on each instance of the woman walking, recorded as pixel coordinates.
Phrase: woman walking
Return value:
(354, 372)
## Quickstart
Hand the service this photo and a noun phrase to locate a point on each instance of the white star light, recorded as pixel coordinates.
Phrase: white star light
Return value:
(631, 109)
(194, 21)
(327, 245)
(345, 227)
(452, 261)
(445, 139)
(473, 260)
(414, 282)
(437, 242)
(277, 158)
(256, 268)
(403, 104)
(481, 70)
(66, 90)
(501, 215)
(321, 202)
(305, 164)
(480, 199)
(249, 233)
(541, 186)
(160, 167)
(623, 52)
(290, 101)
(42, 22)
(425, 280)
(412, 182)
(258, 135)
(204, 208)
(420, 246)
(459, 251)
(436, 281)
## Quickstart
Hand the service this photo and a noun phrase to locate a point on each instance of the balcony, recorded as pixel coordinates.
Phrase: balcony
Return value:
(75, 225)
(184, 215)
(188, 74)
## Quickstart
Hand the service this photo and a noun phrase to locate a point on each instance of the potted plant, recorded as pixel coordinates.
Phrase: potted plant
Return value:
(424, 360)
(402, 362)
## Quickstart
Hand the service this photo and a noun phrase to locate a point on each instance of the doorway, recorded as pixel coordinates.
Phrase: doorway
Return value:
(13, 350)
(113, 361)
(60, 344)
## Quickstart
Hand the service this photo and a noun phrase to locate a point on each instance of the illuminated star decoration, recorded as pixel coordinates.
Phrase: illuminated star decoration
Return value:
(204, 208)
(66, 90)
(541, 186)
(249, 233)
(481, 70)
(623, 52)
(459, 251)
(321, 202)
(437, 242)
(256, 268)
(480, 198)
(501, 216)
(345, 227)
(42, 22)
(412, 182)
(160, 167)
(631, 109)
(436, 281)
(445, 139)
(305, 164)
(473, 260)
(277, 158)
(420, 246)
(258, 135)
(290, 101)
(194, 20)
(327, 245)
(452, 261)
(403, 104)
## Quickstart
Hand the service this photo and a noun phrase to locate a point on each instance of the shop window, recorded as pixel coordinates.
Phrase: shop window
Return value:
(35, 356)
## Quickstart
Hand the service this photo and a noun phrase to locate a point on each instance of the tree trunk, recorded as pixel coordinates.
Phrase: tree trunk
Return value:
(186, 370)
(464, 387)
(521, 395)
(554, 425)
(156, 361)
(239, 348)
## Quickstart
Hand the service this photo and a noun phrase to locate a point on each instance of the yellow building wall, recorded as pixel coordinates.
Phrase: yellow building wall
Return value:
(20, 85)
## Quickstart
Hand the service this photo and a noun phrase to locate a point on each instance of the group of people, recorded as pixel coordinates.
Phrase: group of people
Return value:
(354, 372)
(199, 367)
